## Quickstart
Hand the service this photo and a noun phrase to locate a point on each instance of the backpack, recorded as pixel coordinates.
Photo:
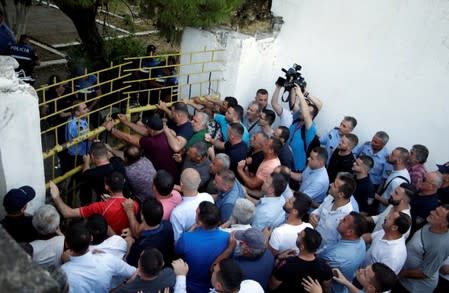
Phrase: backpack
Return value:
(314, 143)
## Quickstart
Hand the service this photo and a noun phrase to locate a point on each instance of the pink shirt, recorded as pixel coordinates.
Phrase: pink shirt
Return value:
(417, 173)
(170, 203)
(266, 168)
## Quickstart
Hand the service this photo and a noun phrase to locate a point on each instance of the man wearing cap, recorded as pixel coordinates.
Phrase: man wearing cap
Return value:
(16, 222)
(252, 255)
(443, 191)
(154, 141)
(179, 129)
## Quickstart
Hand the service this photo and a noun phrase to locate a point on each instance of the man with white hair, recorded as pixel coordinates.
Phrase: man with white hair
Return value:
(200, 129)
(219, 163)
(49, 247)
(183, 216)
(252, 117)
(242, 215)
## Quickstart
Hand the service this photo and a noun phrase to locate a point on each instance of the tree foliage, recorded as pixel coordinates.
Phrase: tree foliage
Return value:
(171, 16)
(83, 15)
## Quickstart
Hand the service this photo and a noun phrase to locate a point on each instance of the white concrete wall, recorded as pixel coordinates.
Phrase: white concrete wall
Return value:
(20, 142)
(384, 62)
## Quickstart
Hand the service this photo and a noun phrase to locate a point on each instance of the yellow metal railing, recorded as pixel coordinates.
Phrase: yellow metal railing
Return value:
(125, 88)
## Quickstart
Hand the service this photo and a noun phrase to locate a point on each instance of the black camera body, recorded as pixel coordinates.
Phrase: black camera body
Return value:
(292, 77)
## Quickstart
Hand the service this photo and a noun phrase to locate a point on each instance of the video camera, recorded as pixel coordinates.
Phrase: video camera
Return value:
(292, 77)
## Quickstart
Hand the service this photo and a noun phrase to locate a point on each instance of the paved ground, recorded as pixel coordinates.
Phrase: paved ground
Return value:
(50, 26)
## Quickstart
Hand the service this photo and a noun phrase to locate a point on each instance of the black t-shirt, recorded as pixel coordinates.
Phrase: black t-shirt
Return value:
(443, 195)
(161, 238)
(95, 176)
(257, 160)
(286, 157)
(364, 190)
(236, 153)
(339, 163)
(295, 269)
(185, 130)
(20, 228)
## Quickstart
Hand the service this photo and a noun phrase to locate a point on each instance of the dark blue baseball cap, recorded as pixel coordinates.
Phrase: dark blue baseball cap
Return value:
(17, 198)
(444, 169)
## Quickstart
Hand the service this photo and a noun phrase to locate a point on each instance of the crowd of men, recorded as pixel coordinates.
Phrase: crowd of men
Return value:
(242, 201)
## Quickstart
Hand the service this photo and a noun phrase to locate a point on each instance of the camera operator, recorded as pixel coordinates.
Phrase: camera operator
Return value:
(303, 118)
(286, 115)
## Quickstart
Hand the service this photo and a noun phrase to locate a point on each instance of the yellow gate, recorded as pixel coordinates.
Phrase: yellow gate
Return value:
(131, 87)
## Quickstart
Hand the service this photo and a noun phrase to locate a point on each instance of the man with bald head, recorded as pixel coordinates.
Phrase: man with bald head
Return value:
(139, 171)
(183, 216)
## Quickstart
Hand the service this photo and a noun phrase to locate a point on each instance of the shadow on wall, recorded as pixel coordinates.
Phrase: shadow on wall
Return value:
(2, 188)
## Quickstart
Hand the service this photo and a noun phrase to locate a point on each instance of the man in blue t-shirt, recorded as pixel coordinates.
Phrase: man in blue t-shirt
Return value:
(234, 114)
(202, 246)
(304, 119)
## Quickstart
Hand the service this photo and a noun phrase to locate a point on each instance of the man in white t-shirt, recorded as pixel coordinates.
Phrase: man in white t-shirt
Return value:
(115, 244)
(335, 207)
(183, 215)
(388, 244)
(284, 237)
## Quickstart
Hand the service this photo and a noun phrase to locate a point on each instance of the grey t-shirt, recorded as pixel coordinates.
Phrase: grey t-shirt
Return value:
(426, 251)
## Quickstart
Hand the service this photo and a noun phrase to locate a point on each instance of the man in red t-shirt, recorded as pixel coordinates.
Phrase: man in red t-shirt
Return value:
(111, 209)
